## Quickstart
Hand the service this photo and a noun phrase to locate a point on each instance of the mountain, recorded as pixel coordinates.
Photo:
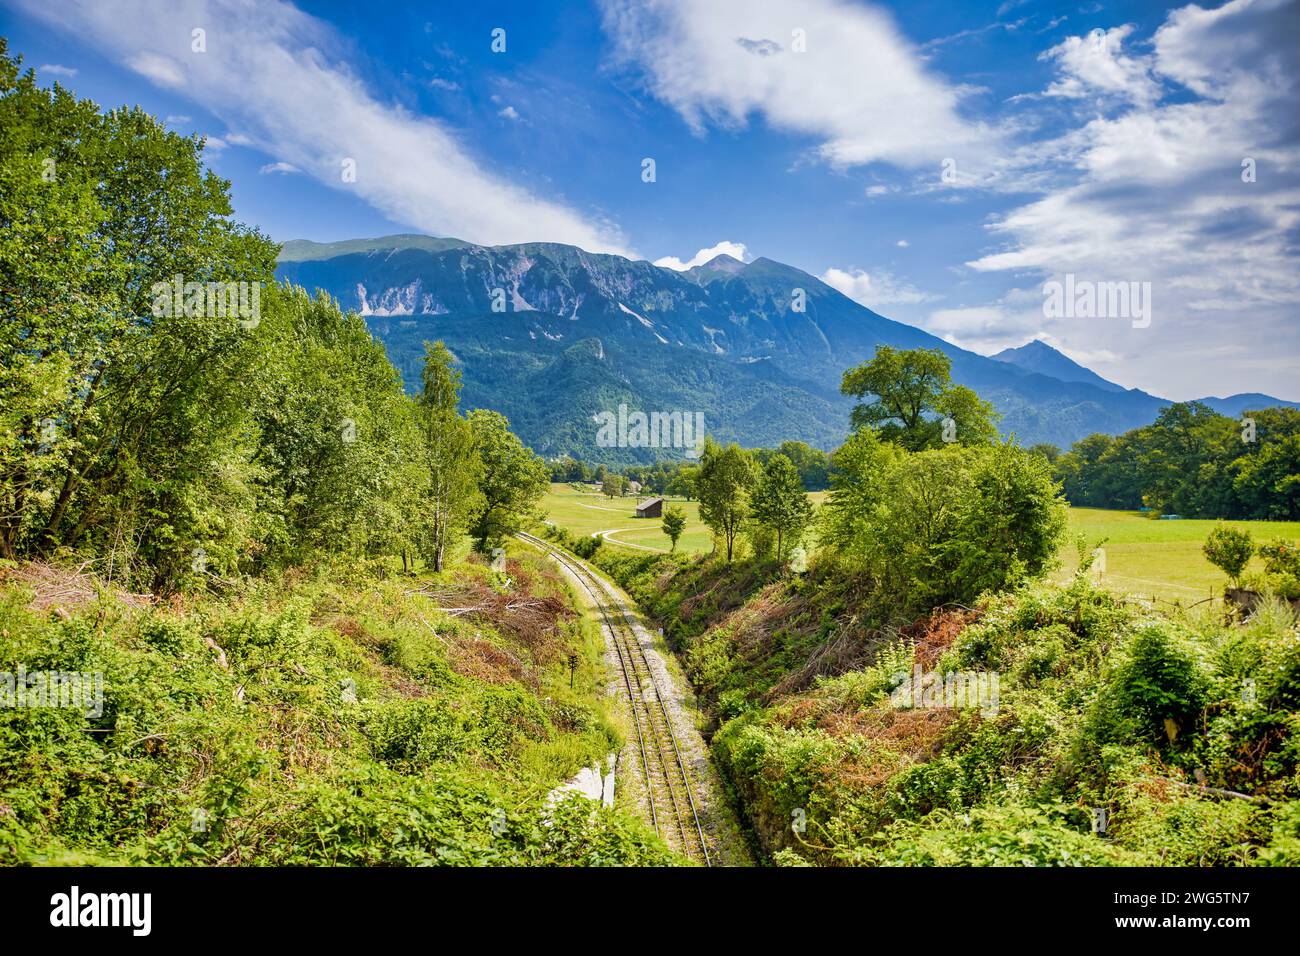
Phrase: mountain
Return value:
(552, 335)
(1236, 405)
(1040, 357)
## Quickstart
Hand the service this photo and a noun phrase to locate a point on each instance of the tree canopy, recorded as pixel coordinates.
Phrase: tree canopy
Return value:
(912, 401)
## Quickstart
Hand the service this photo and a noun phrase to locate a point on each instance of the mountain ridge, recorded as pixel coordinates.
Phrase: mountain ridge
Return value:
(759, 347)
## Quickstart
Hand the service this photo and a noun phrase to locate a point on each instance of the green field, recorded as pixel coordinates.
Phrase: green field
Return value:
(1143, 557)
(1163, 559)
(587, 512)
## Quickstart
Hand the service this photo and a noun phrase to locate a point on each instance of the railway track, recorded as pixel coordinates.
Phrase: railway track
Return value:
(668, 789)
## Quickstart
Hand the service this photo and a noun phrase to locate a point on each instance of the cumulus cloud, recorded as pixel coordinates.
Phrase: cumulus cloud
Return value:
(1200, 196)
(1097, 65)
(841, 73)
(736, 250)
(873, 289)
(281, 78)
(508, 112)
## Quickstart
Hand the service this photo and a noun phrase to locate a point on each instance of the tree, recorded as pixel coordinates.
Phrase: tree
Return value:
(674, 523)
(940, 525)
(614, 485)
(912, 392)
(1194, 462)
(1009, 523)
(512, 481)
(968, 418)
(1229, 549)
(780, 504)
(336, 434)
(449, 453)
(1266, 483)
(860, 487)
(141, 420)
(813, 464)
(723, 486)
(682, 482)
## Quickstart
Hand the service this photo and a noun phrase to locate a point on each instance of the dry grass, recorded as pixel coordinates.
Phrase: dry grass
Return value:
(933, 635)
(61, 588)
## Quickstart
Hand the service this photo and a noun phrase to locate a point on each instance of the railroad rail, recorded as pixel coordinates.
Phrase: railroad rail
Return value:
(671, 800)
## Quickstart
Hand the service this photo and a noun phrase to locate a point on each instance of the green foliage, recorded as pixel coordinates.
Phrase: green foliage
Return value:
(942, 525)
(1009, 522)
(674, 523)
(315, 724)
(1229, 550)
(123, 426)
(724, 484)
(1158, 686)
(780, 504)
(1193, 462)
(913, 393)
(994, 836)
(449, 454)
(1087, 684)
(513, 480)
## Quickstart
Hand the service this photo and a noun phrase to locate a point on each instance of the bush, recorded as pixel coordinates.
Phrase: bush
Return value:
(997, 836)
(1229, 549)
(943, 525)
(1159, 686)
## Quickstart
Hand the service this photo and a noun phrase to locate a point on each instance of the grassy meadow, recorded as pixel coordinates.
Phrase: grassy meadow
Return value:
(1143, 556)
(1148, 557)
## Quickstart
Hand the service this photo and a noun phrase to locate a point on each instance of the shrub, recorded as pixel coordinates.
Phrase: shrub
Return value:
(1159, 686)
(996, 836)
(1229, 549)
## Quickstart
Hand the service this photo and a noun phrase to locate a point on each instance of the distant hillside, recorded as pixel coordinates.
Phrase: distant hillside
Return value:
(1236, 405)
(550, 334)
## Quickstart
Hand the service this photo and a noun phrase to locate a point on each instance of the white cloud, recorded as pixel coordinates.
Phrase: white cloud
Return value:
(160, 69)
(509, 113)
(1096, 65)
(279, 168)
(1158, 196)
(902, 243)
(874, 289)
(736, 250)
(281, 79)
(177, 120)
(54, 69)
(438, 83)
(860, 86)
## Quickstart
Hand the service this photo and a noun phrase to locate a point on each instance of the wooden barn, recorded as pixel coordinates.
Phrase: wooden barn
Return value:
(650, 508)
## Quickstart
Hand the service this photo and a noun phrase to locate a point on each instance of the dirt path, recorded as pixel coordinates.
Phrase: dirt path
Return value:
(626, 544)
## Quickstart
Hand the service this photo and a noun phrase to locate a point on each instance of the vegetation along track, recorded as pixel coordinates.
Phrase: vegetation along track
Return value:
(668, 785)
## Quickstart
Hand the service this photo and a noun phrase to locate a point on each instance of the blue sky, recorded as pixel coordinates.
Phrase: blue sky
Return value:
(1102, 140)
